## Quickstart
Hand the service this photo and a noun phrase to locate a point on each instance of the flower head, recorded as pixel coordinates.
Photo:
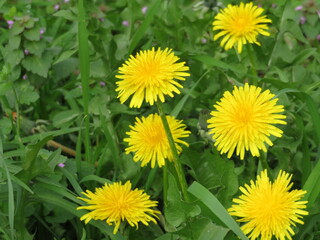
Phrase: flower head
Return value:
(269, 209)
(150, 75)
(244, 120)
(240, 25)
(125, 23)
(148, 139)
(116, 202)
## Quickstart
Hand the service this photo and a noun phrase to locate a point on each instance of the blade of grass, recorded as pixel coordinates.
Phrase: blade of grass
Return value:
(11, 208)
(113, 142)
(73, 181)
(312, 185)
(144, 26)
(85, 73)
(205, 196)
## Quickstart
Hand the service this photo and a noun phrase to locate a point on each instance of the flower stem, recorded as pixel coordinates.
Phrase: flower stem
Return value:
(165, 185)
(176, 161)
(252, 62)
(263, 161)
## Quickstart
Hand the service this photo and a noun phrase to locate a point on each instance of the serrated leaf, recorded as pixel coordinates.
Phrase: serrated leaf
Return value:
(14, 42)
(16, 28)
(28, 97)
(177, 211)
(29, 24)
(14, 57)
(214, 173)
(35, 47)
(32, 34)
(38, 65)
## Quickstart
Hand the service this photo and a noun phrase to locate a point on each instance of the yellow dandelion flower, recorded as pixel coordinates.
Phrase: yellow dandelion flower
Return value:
(269, 209)
(149, 76)
(240, 24)
(244, 120)
(116, 202)
(148, 139)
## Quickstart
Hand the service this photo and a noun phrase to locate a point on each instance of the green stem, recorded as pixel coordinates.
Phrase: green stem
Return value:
(18, 136)
(165, 185)
(264, 162)
(252, 62)
(176, 161)
(85, 73)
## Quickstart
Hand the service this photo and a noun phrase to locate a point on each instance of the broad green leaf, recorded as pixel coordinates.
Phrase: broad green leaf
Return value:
(32, 34)
(35, 47)
(14, 42)
(14, 57)
(64, 118)
(213, 172)
(178, 211)
(16, 28)
(38, 65)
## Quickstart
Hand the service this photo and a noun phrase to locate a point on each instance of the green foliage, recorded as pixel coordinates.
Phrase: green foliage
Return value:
(59, 106)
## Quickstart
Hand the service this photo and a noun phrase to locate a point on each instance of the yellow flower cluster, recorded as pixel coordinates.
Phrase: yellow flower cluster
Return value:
(243, 120)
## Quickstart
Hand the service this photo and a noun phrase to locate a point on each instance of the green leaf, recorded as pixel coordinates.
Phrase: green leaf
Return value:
(303, 55)
(64, 118)
(178, 211)
(32, 151)
(38, 65)
(65, 55)
(32, 34)
(312, 185)
(95, 178)
(66, 14)
(16, 28)
(183, 101)
(35, 47)
(28, 96)
(212, 232)
(205, 196)
(214, 173)
(11, 207)
(14, 42)
(54, 195)
(21, 183)
(14, 57)
(212, 62)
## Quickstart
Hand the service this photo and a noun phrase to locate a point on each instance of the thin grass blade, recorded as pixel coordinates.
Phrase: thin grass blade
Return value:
(205, 196)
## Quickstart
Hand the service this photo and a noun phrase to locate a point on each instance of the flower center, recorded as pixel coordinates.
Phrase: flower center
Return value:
(241, 25)
(121, 204)
(244, 116)
(155, 135)
(151, 73)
